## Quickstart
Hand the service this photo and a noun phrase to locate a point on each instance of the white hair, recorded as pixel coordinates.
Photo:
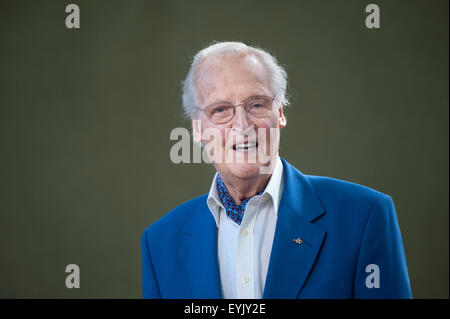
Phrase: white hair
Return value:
(277, 74)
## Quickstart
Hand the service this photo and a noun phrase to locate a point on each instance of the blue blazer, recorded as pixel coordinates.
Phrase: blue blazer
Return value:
(346, 229)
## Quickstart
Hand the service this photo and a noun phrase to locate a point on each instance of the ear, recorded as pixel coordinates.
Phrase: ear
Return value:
(281, 118)
(197, 130)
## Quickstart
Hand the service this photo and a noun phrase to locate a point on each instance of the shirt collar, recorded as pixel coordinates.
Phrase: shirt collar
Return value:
(213, 200)
(274, 188)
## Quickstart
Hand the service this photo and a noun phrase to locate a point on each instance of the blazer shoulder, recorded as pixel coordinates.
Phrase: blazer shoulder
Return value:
(345, 193)
(177, 217)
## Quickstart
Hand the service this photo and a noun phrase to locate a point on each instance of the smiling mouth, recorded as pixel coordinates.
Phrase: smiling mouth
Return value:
(245, 147)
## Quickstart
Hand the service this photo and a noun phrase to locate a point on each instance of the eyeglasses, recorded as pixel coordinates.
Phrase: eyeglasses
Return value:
(257, 106)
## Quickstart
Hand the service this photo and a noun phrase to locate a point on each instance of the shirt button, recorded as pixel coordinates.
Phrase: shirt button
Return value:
(244, 232)
(245, 279)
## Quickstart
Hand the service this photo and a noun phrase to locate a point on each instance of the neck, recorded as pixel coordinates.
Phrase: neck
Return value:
(240, 189)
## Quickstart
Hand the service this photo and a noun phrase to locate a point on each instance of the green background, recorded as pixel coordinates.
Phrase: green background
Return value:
(85, 118)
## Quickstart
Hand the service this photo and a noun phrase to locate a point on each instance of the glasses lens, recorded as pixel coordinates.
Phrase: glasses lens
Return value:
(259, 106)
(219, 112)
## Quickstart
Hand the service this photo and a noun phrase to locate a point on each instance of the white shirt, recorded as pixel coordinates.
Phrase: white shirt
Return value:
(244, 251)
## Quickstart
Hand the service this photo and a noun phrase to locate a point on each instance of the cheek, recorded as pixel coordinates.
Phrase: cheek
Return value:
(213, 134)
(270, 122)
(268, 133)
(220, 135)
(266, 125)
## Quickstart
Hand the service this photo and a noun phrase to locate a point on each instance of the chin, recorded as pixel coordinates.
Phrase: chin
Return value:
(244, 170)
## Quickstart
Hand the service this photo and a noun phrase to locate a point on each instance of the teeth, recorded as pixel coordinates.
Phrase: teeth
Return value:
(245, 146)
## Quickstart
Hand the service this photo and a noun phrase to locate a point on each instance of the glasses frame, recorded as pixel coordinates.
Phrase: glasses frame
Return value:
(247, 100)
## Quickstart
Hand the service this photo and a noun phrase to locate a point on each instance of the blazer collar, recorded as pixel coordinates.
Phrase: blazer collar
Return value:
(291, 261)
(198, 254)
(299, 195)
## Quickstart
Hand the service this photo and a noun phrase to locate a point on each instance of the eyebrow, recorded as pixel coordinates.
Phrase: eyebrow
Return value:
(246, 100)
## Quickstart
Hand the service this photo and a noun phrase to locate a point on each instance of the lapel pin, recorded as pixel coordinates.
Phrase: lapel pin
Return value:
(298, 241)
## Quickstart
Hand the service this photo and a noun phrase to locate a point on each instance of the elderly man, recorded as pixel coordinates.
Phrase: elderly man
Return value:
(265, 230)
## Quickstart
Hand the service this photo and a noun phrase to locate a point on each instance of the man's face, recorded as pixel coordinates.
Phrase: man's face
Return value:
(234, 79)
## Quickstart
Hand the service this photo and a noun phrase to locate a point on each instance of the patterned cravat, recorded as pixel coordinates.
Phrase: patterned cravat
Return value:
(234, 212)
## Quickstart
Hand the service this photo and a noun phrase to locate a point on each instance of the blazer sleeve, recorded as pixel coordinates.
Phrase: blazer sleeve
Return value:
(381, 268)
(150, 288)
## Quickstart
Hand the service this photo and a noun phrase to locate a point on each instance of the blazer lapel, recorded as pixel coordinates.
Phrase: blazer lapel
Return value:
(198, 254)
(291, 261)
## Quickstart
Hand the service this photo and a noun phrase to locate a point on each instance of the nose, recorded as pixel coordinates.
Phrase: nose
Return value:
(241, 121)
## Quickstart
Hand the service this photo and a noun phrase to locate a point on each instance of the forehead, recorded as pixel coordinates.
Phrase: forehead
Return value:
(231, 77)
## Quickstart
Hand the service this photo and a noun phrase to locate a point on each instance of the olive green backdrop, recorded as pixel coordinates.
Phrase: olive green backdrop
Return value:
(85, 118)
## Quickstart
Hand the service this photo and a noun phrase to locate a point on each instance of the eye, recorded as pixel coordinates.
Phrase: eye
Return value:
(257, 104)
(218, 109)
